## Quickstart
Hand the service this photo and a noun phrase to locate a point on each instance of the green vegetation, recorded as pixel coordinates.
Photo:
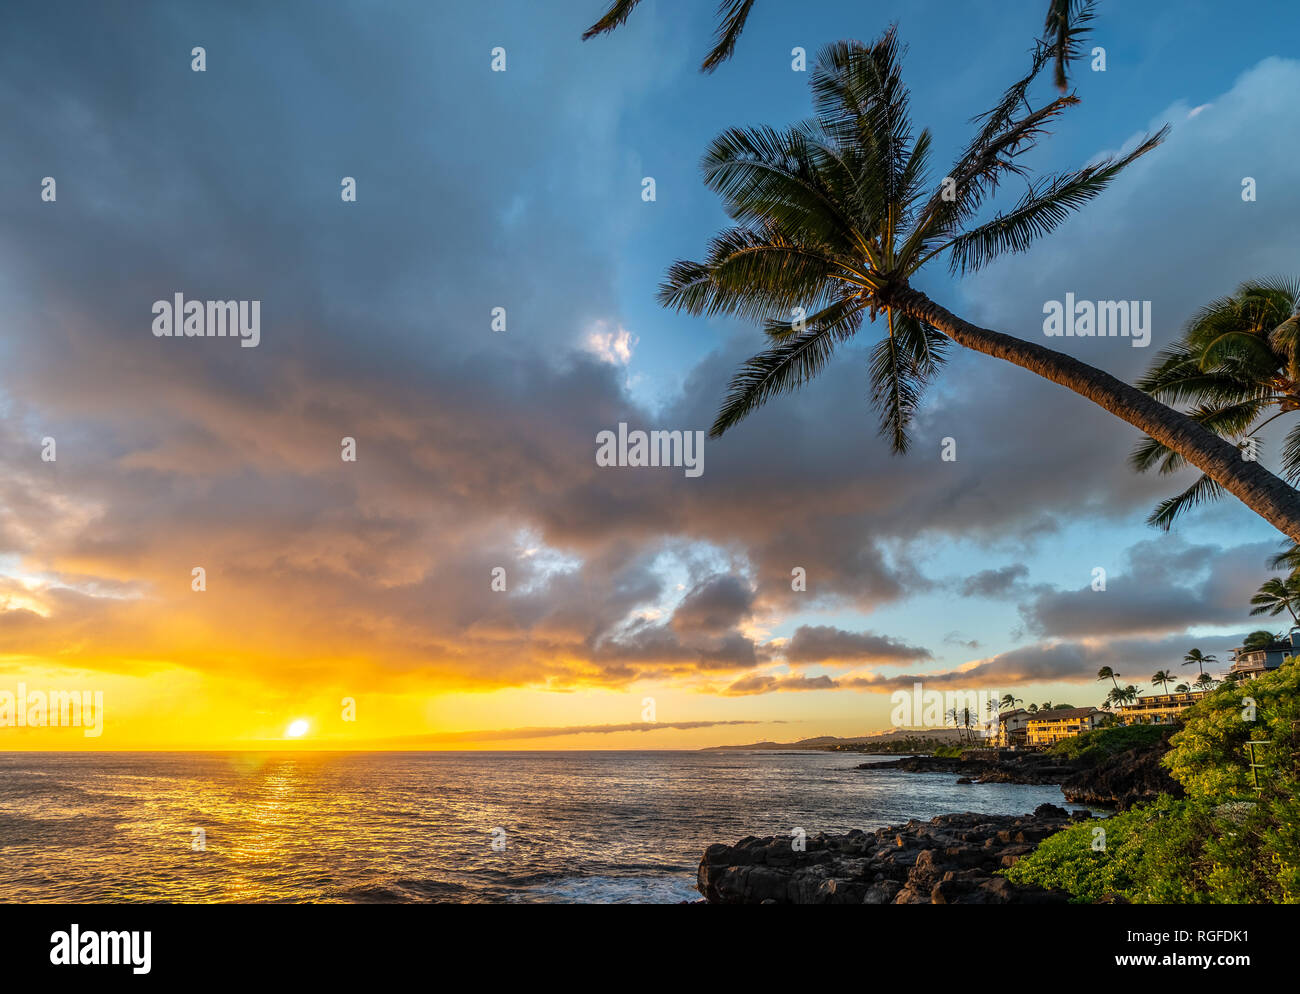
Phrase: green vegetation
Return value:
(1227, 842)
(1102, 743)
(909, 745)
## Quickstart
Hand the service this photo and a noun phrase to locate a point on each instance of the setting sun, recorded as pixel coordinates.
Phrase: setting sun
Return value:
(297, 729)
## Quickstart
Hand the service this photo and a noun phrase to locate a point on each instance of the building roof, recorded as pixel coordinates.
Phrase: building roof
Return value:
(1062, 714)
(1004, 715)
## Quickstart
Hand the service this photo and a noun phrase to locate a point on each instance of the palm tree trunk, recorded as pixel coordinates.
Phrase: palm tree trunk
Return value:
(1251, 483)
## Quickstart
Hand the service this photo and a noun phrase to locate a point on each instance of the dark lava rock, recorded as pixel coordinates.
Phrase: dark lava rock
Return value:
(1132, 777)
(952, 859)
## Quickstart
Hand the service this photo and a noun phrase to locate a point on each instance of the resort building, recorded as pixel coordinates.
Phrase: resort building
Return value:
(1158, 709)
(1013, 728)
(1250, 663)
(1045, 728)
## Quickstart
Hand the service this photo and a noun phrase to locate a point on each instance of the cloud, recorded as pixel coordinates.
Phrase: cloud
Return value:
(825, 643)
(995, 582)
(510, 734)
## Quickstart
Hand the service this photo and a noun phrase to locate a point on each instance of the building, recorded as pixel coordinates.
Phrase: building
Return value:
(1250, 663)
(1013, 728)
(1158, 709)
(1045, 728)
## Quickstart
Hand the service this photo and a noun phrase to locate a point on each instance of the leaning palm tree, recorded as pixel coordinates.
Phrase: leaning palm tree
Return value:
(1278, 595)
(834, 219)
(1162, 679)
(1009, 702)
(1236, 369)
(1067, 23)
(1106, 673)
(1197, 658)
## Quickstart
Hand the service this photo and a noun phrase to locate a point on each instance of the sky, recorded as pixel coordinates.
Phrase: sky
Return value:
(643, 608)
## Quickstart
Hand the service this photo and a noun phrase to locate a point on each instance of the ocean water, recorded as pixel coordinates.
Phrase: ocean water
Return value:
(591, 827)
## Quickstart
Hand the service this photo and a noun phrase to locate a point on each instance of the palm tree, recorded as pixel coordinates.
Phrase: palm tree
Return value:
(1127, 695)
(1182, 688)
(1163, 679)
(1009, 701)
(1237, 368)
(834, 218)
(1278, 595)
(1065, 27)
(1204, 681)
(1260, 640)
(1196, 658)
(1106, 673)
(1032, 708)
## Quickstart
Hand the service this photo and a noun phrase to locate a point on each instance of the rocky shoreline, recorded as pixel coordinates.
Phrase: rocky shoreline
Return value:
(1132, 777)
(951, 859)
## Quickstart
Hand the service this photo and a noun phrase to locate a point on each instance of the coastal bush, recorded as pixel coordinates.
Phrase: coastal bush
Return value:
(1101, 743)
(1209, 755)
(1176, 852)
(1226, 842)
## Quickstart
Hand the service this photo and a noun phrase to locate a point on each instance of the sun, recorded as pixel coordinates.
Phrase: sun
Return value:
(297, 728)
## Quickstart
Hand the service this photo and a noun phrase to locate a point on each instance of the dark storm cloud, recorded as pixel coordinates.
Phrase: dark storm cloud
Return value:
(1166, 586)
(825, 643)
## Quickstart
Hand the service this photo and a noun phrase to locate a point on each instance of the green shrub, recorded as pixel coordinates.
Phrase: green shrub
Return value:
(1226, 843)
(1209, 756)
(1176, 852)
(1101, 743)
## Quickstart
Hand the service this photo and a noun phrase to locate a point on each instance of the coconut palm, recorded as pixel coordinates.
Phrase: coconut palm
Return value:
(1204, 682)
(1106, 673)
(1182, 688)
(1278, 595)
(1067, 23)
(1260, 640)
(1197, 658)
(835, 217)
(1162, 679)
(1009, 702)
(1236, 369)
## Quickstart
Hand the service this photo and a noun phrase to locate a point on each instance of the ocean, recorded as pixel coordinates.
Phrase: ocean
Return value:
(505, 827)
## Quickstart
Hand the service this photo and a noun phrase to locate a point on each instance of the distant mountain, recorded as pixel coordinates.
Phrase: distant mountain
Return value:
(822, 742)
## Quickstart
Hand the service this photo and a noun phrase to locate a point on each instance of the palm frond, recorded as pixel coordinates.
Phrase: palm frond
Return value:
(902, 365)
(616, 16)
(1046, 205)
(1202, 491)
(732, 16)
(1067, 24)
(785, 366)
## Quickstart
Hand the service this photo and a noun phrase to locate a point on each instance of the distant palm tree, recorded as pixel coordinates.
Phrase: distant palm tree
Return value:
(1182, 688)
(1238, 368)
(1278, 595)
(1128, 694)
(1009, 701)
(1196, 658)
(1066, 25)
(1162, 678)
(1205, 681)
(1106, 673)
(1032, 708)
